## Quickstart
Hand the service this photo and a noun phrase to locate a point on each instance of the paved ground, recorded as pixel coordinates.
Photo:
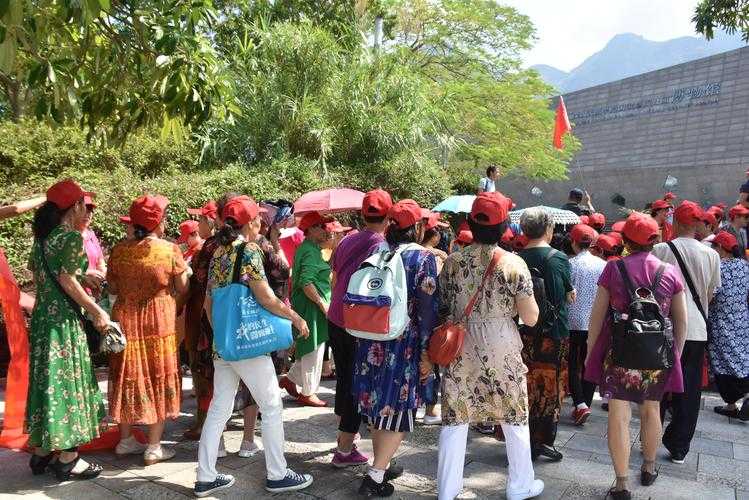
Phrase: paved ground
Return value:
(717, 467)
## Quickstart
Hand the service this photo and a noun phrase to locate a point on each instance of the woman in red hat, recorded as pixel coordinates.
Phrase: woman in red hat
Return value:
(388, 375)
(144, 380)
(729, 322)
(621, 385)
(487, 383)
(659, 210)
(64, 405)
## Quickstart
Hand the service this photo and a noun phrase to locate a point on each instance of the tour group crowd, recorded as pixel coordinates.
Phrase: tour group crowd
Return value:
(538, 301)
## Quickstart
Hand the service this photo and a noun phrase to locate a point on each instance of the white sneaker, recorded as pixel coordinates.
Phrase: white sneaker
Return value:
(221, 449)
(160, 454)
(129, 446)
(432, 419)
(248, 449)
(536, 489)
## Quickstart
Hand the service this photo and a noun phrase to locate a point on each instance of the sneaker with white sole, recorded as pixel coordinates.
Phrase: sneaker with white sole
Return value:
(204, 488)
(432, 420)
(129, 446)
(248, 449)
(536, 489)
(292, 482)
(160, 454)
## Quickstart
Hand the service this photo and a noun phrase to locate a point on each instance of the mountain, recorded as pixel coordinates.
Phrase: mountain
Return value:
(627, 55)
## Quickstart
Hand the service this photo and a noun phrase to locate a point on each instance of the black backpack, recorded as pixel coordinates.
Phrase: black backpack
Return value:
(642, 338)
(547, 311)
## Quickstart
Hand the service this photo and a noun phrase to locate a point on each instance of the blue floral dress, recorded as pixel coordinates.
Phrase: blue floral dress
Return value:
(386, 374)
(729, 320)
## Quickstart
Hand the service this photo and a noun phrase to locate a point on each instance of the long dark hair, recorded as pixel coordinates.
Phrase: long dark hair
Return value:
(395, 236)
(229, 232)
(46, 218)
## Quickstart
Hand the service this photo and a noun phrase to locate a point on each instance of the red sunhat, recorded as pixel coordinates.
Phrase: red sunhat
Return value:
(242, 209)
(641, 228)
(688, 212)
(65, 194)
(209, 210)
(582, 233)
(405, 213)
(490, 209)
(186, 228)
(738, 211)
(148, 211)
(376, 203)
(726, 241)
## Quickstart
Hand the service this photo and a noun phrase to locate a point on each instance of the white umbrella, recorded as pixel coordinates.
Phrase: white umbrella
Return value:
(558, 215)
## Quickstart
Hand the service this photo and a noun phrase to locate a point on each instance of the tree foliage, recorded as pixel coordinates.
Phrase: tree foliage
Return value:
(730, 15)
(112, 65)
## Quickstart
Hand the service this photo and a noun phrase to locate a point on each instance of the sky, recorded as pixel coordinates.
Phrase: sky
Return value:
(568, 31)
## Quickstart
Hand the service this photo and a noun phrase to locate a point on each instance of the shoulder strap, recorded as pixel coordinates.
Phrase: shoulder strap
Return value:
(657, 279)
(625, 277)
(688, 279)
(72, 303)
(238, 262)
(496, 257)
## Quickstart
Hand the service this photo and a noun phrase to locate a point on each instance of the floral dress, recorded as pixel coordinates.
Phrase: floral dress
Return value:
(144, 380)
(729, 320)
(386, 374)
(487, 382)
(64, 405)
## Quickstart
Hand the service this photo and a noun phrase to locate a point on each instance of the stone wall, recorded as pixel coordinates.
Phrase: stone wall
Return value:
(690, 121)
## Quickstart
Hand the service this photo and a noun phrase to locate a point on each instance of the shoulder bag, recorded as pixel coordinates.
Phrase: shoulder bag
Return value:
(446, 342)
(242, 328)
(111, 342)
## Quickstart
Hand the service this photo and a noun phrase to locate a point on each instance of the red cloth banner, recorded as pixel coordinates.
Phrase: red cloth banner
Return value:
(561, 124)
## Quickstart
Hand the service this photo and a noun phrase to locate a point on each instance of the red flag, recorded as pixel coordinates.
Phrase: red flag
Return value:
(561, 124)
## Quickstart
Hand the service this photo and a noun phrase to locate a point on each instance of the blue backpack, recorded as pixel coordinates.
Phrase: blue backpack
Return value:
(242, 328)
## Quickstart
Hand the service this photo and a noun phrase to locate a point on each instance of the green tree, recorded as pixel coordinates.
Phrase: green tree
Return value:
(112, 65)
(731, 15)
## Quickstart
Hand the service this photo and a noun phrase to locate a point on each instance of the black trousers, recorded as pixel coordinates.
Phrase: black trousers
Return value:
(344, 352)
(582, 391)
(731, 388)
(685, 407)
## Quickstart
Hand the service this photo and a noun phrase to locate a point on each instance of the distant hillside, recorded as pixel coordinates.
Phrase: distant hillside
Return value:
(628, 55)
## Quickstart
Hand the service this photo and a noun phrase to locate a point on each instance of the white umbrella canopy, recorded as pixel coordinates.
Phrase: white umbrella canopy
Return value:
(558, 215)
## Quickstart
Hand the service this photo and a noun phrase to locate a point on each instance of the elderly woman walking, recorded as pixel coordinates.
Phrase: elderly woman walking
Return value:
(64, 405)
(486, 383)
(387, 378)
(144, 380)
(310, 297)
(622, 385)
(729, 321)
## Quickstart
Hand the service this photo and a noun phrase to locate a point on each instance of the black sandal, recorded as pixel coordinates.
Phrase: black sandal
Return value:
(648, 478)
(723, 410)
(619, 494)
(39, 463)
(64, 472)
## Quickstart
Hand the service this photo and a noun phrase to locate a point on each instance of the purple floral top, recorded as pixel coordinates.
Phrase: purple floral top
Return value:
(641, 267)
(386, 374)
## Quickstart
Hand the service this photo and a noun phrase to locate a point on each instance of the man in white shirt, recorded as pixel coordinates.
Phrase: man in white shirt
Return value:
(702, 264)
(488, 184)
(585, 269)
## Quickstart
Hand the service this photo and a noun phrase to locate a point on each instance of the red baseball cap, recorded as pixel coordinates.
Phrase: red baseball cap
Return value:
(376, 203)
(607, 243)
(520, 242)
(148, 211)
(508, 236)
(618, 227)
(582, 233)
(726, 240)
(336, 227)
(405, 213)
(432, 219)
(186, 228)
(584, 219)
(88, 200)
(492, 208)
(597, 220)
(716, 211)
(669, 196)
(209, 210)
(688, 212)
(738, 211)
(616, 237)
(641, 228)
(311, 219)
(465, 237)
(242, 209)
(660, 205)
(67, 193)
(709, 218)
(125, 219)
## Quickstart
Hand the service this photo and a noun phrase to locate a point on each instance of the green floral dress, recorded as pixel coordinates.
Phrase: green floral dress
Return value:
(64, 405)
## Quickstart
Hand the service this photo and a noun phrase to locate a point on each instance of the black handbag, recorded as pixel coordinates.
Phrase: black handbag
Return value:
(642, 338)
